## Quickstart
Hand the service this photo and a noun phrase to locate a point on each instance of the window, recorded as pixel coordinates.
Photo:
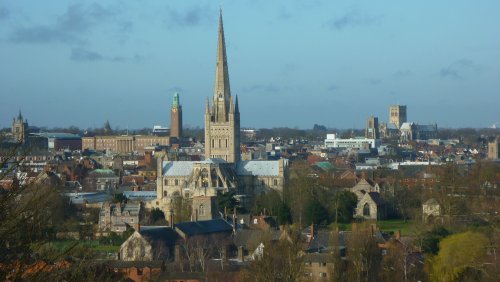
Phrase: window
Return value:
(201, 209)
(176, 182)
(275, 182)
(366, 210)
(322, 274)
(165, 193)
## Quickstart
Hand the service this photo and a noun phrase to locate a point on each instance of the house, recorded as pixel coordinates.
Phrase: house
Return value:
(116, 217)
(150, 243)
(250, 243)
(101, 180)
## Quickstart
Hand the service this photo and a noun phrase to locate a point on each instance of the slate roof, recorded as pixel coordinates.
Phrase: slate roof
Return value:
(159, 233)
(258, 168)
(250, 238)
(376, 198)
(140, 195)
(81, 198)
(191, 228)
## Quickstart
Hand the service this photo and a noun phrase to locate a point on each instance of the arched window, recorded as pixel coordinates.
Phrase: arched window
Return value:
(201, 210)
(366, 210)
(275, 182)
(176, 182)
(165, 193)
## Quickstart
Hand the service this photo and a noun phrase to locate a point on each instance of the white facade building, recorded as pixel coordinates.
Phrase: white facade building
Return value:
(332, 141)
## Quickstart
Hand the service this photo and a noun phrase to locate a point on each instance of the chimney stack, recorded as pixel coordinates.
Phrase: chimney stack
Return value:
(398, 234)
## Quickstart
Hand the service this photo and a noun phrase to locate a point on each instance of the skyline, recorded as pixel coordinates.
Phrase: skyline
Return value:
(300, 64)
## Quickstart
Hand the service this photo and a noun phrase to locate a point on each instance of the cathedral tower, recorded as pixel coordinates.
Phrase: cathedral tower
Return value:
(176, 119)
(222, 116)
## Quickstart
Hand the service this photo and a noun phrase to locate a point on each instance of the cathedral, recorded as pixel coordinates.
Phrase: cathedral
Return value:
(222, 170)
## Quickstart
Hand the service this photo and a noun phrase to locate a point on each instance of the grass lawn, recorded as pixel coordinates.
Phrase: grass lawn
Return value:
(391, 225)
(395, 225)
(93, 244)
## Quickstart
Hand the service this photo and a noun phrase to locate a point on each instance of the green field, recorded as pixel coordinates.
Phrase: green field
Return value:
(91, 244)
(384, 225)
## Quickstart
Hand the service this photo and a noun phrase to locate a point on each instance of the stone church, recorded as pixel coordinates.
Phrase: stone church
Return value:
(222, 170)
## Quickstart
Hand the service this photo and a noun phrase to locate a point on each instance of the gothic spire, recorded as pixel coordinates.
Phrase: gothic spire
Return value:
(222, 92)
(236, 107)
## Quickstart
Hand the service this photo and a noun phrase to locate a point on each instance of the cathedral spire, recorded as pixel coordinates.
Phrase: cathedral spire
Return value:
(222, 92)
(236, 107)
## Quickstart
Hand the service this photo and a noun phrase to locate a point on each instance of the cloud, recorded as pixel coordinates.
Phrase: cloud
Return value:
(261, 88)
(352, 19)
(374, 81)
(4, 13)
(68, 27)
(83, 55)
(458, 69)
(193, 16)
(401, 73)
(332, 88)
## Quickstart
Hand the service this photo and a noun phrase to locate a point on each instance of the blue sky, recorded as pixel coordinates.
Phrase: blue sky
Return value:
(292, 63)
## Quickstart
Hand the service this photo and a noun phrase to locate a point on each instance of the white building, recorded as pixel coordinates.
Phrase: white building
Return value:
(332, 141)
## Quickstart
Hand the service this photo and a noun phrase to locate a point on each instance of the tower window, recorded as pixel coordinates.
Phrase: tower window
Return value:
(202, 210)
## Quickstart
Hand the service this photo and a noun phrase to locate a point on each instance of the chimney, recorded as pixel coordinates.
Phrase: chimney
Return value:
(136, 188)
(363, 174)
(398, 234)
(171, 218)
(310, 237)
(137, 227)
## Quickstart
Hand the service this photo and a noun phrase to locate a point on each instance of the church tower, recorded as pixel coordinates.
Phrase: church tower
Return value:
(222, 116)
(176, 119)
(20, 129)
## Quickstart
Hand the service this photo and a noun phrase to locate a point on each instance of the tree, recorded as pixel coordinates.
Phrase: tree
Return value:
(281, 261)
(461, 257)
(316, 213)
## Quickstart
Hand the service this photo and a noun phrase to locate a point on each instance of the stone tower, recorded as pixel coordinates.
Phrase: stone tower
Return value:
(20, 129)
(176, 118)
(397, 115)
(222, 116)
(372, 130)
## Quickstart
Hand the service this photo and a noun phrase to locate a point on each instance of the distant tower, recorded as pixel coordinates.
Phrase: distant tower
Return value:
(222, 116)
(20, 129)
(176, 118)
(397, 115)
(372, 128)
(493, 149)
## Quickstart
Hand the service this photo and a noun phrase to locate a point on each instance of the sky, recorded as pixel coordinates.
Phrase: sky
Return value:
(292, 63)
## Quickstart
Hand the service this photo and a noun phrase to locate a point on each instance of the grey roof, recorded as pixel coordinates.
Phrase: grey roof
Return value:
(250, 238)
(406, 125)
(140, 195)
(177, 168)
(376, 198)
(82, 198)
(159, 233)
(192, 228)
(58, 135)
(258, 168)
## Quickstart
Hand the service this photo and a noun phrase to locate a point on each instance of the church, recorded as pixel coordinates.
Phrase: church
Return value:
(222, 170)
